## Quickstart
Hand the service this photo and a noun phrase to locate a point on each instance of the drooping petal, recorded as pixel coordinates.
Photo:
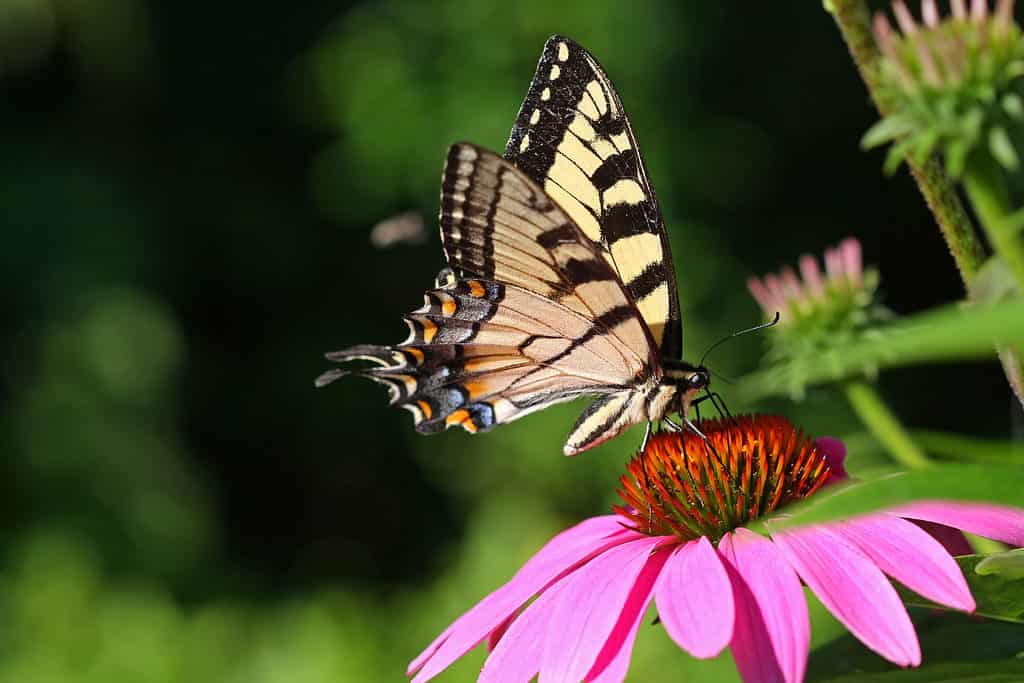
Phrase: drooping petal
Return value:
(908, 554)
(1001, 523)
(694, 599)
(834, 451)
(854, 589)
(586, 614)
(613, 660)
(772, 631)
(561, 554)
(516, 656)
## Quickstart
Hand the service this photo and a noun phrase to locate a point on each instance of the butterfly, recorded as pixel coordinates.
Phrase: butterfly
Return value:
(560, 282)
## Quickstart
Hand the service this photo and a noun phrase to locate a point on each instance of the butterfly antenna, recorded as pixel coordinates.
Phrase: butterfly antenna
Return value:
(719, 376)
(755, 328)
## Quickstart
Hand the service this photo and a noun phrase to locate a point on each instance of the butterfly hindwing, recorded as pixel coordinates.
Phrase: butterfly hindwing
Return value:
(573, 138)
(482, 353)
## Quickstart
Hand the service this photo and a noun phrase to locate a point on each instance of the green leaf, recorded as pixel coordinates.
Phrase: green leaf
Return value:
(993, 282)
(1002, 149)
(897, 153)
(996, 582)
(1007, 671)
(1013, 105)
(1008, 565)
(950, 333)
(886, 130)
(954, 647)
(956, 156)
(962, 482)
(950, 446)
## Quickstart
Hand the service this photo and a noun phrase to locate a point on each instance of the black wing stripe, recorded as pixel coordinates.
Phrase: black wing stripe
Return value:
(572, 136)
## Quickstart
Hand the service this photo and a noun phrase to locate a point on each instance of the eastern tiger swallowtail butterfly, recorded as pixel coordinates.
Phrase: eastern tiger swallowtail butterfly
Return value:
(559, 283)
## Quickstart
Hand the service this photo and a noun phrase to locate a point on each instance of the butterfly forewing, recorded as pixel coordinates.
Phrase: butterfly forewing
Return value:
(573, 138)
(531, 315)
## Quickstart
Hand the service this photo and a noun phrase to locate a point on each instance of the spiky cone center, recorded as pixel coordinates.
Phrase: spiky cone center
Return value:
(681, 485)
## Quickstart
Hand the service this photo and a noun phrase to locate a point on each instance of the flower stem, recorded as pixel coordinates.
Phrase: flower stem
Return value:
(939, 193)
(986, 188)
(877, 417)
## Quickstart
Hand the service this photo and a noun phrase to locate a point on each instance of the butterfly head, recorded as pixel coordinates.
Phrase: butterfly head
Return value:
(686, 380)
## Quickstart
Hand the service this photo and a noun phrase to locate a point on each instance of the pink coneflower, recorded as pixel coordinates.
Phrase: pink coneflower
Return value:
(679, 540)
(952, 84)
(796, 297)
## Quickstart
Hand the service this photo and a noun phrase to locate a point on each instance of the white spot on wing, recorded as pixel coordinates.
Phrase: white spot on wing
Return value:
(624, 191)
(604, 148)
(582, 128)
(583, 157)
(597, 93)
(568, 177)
(654, 310)
(635, 253)
(535, 117)
(563, 52)
(621, 142)
(555, 72)
(545, 94)
(525, 143)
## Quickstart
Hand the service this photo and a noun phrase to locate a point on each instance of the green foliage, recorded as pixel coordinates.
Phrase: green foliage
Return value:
(951, 333)
(877, 491)
(996, 582)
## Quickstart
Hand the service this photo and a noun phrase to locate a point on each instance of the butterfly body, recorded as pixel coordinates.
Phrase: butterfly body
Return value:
(560, 282)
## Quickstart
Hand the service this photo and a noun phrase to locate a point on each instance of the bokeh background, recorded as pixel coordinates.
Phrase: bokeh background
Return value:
(186, 196)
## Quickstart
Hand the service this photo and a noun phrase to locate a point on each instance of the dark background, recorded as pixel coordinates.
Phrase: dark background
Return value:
(186, 194)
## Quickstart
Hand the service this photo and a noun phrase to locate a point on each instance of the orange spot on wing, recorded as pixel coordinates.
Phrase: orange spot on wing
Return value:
(429, 330)
(476, 289)
(461, 417)
(448, 307)
(475, 389)
(417, 354)
(457, 418)
(425, 407)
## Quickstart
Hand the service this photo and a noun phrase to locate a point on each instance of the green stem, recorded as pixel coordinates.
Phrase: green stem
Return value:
(986, 188)
(877, 417)
(938, 190)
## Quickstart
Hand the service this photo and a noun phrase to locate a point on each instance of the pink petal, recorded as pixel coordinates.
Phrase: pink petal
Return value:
(561, 554)
(516, 657)
(1000, 522)
(694, 599)
(854, 590)
(883, 34)
(979, 10)
(772, 631)
(593, 599)
(613, 660)
(812, 276)
(959, 9)
(851, 252)
(908, 554)
(764, 298)
(495, 636)
(904, 18)
(833, 265)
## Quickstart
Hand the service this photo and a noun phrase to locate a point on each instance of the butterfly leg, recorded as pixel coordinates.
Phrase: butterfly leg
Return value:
(696, 430)
(647, 435)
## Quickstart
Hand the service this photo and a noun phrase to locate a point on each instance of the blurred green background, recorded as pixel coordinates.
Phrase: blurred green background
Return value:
(186, 195)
